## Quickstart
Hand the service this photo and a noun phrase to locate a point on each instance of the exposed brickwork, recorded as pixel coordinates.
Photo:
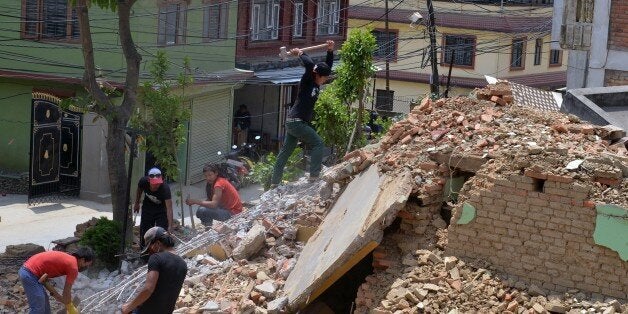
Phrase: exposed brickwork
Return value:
(615, 78)
(542, 234)
(618, 38)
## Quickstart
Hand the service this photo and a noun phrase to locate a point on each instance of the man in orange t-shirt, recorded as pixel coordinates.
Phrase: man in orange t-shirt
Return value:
(223, 200)
(55, 264)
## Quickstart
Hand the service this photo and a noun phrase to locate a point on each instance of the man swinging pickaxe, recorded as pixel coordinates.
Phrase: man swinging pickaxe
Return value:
(284, 53)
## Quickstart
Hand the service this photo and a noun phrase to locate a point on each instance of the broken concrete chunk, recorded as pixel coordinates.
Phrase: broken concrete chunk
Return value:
(450, 262)
(275, 306)
(211, 306)
(251, 243)
(432, 287)
(267, 289)
(454, 273)
(574, 164)
(555, 307)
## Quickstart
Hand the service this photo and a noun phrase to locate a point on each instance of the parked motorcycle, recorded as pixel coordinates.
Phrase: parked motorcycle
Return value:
(234, 170)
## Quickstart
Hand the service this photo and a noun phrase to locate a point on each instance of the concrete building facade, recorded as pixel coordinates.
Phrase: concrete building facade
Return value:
(510, 43)
(594, 34)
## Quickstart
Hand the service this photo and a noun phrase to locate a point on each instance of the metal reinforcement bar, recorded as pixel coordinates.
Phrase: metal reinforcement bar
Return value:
(110, 300)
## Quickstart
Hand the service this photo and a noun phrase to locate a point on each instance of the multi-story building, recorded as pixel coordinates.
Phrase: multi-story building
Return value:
(42, 62)
(472, 40)
(594, 34)
(263, 27)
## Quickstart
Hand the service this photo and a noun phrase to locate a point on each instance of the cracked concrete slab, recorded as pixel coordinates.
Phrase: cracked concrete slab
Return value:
(353, 227)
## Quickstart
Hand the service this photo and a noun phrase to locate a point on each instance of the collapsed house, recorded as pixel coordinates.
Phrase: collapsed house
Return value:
(469, 204)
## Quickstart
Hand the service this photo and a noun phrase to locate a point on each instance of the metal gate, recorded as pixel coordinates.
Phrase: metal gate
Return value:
(55, 151)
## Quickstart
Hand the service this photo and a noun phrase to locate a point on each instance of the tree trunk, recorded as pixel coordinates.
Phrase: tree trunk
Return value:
(116, 116)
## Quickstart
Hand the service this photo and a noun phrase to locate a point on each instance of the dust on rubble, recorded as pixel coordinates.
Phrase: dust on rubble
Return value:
(487, 131)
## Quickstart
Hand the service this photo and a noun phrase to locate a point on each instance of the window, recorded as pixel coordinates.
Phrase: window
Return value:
(49, 20)
(328, 17)
(555, 57)
(172, 23)
(215, 17)
(298, 20)
(538, 51)
(462, 48)
(517, 53)
(384, 100)
(386, 46)
(265, 20)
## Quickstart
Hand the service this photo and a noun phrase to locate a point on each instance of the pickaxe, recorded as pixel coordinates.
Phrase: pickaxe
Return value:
(70, 308)
(284, 53)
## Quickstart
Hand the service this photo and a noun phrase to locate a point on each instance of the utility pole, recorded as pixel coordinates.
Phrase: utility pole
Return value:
(386, 49)
(432, 30)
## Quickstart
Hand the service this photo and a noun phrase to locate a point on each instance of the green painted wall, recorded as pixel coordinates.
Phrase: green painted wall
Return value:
(468, 214)
(15, 125)
(611, 228)
(65, 59)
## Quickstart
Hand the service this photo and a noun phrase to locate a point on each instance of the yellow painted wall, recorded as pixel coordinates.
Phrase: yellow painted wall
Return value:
(494, 63)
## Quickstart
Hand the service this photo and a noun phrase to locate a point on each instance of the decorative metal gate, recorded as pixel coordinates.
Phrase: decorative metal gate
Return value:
(55, 151)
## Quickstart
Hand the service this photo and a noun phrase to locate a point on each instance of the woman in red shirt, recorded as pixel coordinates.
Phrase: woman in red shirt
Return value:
(223, 200)
(55, 264)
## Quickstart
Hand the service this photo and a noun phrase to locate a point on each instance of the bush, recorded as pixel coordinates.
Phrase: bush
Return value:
(262, 171)
(105, 237)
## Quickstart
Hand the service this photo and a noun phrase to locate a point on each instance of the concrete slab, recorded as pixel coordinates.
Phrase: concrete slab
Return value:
(353, 227)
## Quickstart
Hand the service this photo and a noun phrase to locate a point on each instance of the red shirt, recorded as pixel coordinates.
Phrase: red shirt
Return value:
(53, 263)
(230, 199)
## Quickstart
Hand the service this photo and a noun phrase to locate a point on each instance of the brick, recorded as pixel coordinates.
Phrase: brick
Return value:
(535, 174)
(537, 202)
(559, 178)
(428, 166)
(608, 181)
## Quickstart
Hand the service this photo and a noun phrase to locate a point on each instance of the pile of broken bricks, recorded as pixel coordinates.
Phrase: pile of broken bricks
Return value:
(244, 269)
(425, 281)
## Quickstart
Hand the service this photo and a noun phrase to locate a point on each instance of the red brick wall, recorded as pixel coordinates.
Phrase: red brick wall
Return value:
(618, 39)
(542, 237)
(615, 78)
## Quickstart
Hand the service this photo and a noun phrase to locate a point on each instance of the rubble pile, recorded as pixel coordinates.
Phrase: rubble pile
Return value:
(241, 266)
(265, 240)
(464, 133)
(426, 281)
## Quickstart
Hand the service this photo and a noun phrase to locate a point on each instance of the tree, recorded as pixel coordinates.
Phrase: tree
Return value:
(336, 121)
(166, 112)
(117, 116)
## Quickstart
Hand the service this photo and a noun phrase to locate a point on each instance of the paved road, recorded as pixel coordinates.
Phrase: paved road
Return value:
(43, 223)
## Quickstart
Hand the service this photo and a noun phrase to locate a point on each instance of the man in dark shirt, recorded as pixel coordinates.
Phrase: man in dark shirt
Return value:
(300, 115)
(157, 204)
(166, 272)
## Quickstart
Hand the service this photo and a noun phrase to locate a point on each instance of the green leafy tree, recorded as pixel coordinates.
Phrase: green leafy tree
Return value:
(336, 121)
(165, 113)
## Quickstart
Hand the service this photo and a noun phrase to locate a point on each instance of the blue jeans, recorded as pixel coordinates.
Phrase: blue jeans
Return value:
(38, 300)
(207, 215)
(295, 131)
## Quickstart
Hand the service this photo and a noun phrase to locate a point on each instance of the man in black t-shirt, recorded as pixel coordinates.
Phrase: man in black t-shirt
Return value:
(166, 272)
(157, 204)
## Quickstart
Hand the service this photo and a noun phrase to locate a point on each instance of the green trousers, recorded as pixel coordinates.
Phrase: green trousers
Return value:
(296, 131)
